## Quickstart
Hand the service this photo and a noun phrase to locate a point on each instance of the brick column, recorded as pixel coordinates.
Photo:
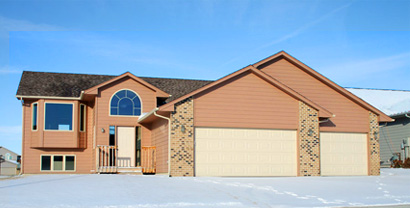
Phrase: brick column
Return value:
(374, 151)
(182, 139)
(309, 149)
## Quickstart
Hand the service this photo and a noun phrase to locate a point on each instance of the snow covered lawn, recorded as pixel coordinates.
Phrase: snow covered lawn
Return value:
(392, 187)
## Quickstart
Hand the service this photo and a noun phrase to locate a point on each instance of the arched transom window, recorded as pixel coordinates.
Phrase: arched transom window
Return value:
(125, 103)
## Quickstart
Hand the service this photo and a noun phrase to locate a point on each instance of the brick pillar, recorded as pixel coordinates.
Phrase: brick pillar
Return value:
(309, 149)
(182, 139)
(374, 160)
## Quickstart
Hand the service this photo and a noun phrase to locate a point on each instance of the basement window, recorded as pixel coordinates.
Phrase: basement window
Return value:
(57, 163)
(58, 116)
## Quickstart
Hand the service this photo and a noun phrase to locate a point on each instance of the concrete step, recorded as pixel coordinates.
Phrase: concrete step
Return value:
(130, 170)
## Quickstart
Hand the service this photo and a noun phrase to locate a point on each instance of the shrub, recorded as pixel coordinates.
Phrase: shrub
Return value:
(406, 163)
(397, 164)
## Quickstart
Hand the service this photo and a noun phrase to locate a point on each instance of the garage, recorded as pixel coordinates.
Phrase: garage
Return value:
(245, 152)
(343, 154)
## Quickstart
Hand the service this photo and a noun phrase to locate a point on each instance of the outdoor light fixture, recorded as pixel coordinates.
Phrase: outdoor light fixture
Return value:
(102, 130)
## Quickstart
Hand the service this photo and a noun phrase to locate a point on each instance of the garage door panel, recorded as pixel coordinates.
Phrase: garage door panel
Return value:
(245, 152)
(343, 153)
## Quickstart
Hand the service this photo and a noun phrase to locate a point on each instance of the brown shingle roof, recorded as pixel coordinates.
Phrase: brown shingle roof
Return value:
(71, 85)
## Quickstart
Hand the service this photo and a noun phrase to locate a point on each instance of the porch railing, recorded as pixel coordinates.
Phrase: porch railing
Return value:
(148, 162)
(106, 159)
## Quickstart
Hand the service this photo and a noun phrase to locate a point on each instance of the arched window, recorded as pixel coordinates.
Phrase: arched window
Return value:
(8, 156)
(125, 103)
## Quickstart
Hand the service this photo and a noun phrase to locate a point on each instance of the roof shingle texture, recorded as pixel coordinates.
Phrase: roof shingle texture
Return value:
(71, 85)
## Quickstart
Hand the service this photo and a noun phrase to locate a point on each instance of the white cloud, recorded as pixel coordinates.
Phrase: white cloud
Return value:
(10, 130)
(360, 69)
(11, 70)
(7, 24)
(294, 33)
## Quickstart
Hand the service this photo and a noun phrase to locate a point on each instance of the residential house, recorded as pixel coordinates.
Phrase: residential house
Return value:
(394, 136)
(9, 162)
(277, 117)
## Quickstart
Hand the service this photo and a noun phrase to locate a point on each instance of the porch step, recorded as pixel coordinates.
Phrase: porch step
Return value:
(130, 170)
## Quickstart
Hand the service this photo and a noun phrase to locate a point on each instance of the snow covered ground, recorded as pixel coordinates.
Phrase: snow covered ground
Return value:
(130, 191)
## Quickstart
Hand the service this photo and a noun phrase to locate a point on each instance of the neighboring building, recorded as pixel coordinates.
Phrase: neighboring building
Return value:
(8, 165)
(394, 136)
(277, 117)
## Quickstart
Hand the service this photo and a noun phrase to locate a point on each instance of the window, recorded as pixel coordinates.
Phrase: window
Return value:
(58, 116)
(34, 117)
(45, 162)
(125, 103)
(8, 156)
(82, 117)
(57, 163)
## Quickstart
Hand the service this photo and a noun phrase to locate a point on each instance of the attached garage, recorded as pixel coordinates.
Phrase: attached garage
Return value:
(343, 154)
(245, 152)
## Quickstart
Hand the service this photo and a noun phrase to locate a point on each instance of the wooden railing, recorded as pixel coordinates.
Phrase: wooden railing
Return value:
(109, 162)
(107, 159)
(148, 162)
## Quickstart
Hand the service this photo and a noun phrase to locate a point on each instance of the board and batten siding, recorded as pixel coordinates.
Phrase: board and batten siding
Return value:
(391, 138)
(104, 120)
(350, 117)
(31, 156)
(246, 101)
(159, 138)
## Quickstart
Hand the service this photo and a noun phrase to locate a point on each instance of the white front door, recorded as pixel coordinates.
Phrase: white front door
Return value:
(126, 138)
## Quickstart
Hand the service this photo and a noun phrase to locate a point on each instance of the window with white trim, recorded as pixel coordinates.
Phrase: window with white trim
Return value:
(57, 163)
(58, 116)
(82, 117)
(34, 117)
(125, 103)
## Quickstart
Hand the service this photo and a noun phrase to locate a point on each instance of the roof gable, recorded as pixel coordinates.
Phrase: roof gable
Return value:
(322, 111)
(94, 90)
(283, 55)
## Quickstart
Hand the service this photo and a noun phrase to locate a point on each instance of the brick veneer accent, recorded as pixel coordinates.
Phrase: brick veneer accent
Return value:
(374, 145)
(182, 143)
(309, 144)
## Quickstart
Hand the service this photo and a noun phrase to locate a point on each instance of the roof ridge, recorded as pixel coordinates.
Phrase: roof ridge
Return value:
(70, 73)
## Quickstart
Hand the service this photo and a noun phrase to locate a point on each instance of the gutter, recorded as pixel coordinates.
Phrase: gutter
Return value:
(154, 112)
(51, 97)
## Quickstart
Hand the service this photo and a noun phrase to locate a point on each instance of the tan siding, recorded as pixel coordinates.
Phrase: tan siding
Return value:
(159, 135)
(246, 101)
(350, 117)
(104, 120)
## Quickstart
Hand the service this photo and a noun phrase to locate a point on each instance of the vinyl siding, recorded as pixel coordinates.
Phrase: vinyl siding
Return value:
(391, 138)
(104, 120)
(350, 117)
(246, 101)
(159, 135)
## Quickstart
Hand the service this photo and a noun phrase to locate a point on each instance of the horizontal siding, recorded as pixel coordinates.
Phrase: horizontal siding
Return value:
(391, 138)
(349, 116)
(245, 101)
(104, 120)
(159, 135)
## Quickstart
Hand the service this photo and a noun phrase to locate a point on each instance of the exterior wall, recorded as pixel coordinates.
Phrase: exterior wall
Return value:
(182, 142)
(350, 117)
(374, 151)
(159, 138)
(8, 169)
(104, 120)
(391, 138)
(31, 155)
(309, 143)
(3, 152)
(246, 102)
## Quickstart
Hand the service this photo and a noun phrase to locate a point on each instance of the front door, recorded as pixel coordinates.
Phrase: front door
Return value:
(126, 140)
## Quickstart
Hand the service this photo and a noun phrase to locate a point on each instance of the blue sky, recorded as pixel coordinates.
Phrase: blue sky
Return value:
(354, 43)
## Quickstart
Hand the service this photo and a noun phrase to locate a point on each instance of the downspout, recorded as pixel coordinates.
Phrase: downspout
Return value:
(169, 139)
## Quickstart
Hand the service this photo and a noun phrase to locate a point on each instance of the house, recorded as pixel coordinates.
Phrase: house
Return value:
(394, 136)
(277, 117)
(9, 164)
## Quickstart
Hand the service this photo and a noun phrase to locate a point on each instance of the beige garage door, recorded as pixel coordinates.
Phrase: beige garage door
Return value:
(245, 152)
(343, 154)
